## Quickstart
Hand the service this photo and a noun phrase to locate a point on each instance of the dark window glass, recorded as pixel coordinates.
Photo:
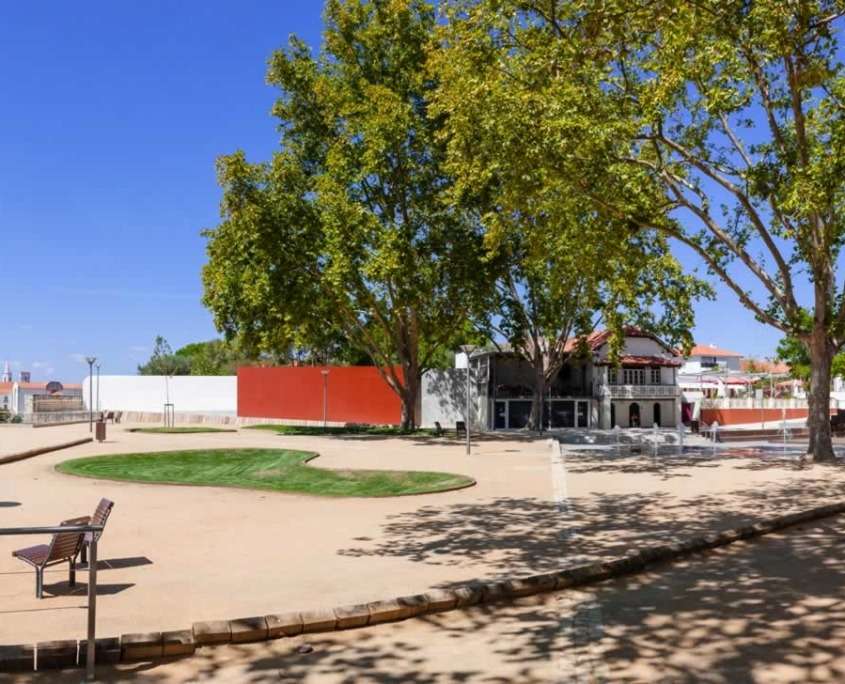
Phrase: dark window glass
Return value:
(520, 411)
(582, 413)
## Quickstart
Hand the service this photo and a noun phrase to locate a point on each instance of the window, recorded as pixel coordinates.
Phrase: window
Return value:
(708, 362)
(655, 376)
(611, 376)
(633, 376)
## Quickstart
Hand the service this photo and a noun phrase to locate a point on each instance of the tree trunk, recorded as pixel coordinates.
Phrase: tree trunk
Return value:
(535, 422)
(820, 447)
(408, 397)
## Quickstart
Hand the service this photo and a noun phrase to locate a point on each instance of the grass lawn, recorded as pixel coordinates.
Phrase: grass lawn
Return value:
(280, 470)
(316, 430)
(178, 430)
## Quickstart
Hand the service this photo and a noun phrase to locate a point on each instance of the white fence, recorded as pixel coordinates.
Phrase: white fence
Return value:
(214, 395)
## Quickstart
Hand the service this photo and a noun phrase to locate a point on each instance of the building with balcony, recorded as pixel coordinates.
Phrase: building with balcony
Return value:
(641, 389)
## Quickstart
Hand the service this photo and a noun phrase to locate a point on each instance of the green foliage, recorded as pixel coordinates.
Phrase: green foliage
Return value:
(164, 362)
(264, 469)
(5, 415)
(718, 123)
(349, 231)
(794, 353)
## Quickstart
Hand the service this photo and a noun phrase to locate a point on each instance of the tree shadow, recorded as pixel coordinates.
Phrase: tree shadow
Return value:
(518, 535)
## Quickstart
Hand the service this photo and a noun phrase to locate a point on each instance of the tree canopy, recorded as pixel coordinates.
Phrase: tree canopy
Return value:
(347, 230)
(718, 123)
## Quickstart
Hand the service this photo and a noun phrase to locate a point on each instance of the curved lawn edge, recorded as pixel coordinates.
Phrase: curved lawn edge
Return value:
(304, 479)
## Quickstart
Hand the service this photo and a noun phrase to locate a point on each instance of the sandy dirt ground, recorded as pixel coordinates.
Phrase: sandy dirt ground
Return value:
(15, 438)
(770, 611)
(173, 555)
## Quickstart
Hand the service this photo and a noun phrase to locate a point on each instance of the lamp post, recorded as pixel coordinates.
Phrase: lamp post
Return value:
(467, 349)
(90, 360)
(325, 374)
(98, 388)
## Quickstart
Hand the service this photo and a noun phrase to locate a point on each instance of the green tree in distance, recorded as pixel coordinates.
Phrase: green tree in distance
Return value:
(164, 362)
(348, 229)
(717, 122)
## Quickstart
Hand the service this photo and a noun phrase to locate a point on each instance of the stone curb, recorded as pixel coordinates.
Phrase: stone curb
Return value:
(152, 646)
(21, 455)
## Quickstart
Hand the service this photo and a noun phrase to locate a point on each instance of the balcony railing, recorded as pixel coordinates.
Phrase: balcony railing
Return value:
(641, 391)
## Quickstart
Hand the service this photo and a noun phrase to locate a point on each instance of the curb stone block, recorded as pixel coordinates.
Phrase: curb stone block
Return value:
(55, 654)
(414, 605)
(745, 532)
(140, 646)
(385, 611)
(440, 600)
(285, 624)
(212, 632)
(249, 629)
(468, 595)
(628, 564)
(493, 591)
(17, 658)
(179, 642)
(106, 651)
(352, 616)
(318, 621)
(729, 536)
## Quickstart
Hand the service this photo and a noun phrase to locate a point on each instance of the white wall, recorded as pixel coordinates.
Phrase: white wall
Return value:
(188, 393)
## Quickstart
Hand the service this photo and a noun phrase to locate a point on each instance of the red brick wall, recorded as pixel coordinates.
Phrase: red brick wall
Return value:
(356, 394)
(736, 416)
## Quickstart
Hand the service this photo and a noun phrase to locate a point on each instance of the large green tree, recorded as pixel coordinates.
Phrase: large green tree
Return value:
(562, 270)
(717, 122)
(348, 229)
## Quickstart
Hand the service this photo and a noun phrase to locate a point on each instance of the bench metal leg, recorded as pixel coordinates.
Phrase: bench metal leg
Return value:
(83, 556)
(71, 580)
(39, 583)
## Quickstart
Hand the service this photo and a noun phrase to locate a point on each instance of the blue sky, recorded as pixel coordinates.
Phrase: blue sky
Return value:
(112, 116)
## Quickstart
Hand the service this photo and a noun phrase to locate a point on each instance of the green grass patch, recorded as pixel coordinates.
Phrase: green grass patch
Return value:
(317, 431)
(280, 470)
(178, 430)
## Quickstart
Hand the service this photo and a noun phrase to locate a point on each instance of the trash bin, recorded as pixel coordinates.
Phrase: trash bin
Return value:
(100, 433)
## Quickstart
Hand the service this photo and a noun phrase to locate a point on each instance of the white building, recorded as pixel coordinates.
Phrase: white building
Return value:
(23, 395)
(708, 358)
(586, 393)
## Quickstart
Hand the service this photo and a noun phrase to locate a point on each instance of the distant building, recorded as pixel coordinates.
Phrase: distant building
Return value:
(640, 392)
(22, 396)
(5, 396)
(708, 358)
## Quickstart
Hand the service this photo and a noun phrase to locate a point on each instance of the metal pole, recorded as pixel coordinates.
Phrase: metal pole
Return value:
(468, 408)
(91, 360)
(92, 610)
(325, 397)
(98, 387)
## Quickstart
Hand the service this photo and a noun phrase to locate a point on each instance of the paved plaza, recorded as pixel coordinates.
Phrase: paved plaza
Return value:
(770, 612)
(172, 555)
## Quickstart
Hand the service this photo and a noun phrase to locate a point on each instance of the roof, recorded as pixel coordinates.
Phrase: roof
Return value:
(5, 387)
(711, 350)
(644, 361)
(764, 366)
(43, 386)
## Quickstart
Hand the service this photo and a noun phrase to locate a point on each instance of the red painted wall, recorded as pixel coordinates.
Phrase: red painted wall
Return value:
(356, 394)
(736, 416)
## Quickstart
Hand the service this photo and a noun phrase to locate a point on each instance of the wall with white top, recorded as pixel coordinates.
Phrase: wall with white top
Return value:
(148, 393)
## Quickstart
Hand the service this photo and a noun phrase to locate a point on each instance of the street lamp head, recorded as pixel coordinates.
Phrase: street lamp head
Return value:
(91, 360)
